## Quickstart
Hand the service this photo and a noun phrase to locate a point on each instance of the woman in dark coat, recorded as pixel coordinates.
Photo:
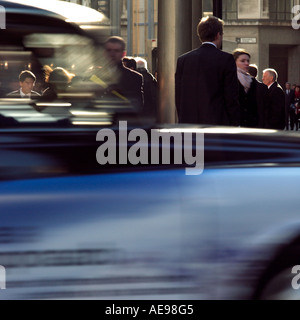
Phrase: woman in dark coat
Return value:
(247, 90)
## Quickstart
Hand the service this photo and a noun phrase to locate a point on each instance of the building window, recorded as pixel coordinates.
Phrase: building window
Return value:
(104, 7)
(281, 10)
(249, 9)
(265, 9)
(276, 10)
(230, 9)
(207, 7)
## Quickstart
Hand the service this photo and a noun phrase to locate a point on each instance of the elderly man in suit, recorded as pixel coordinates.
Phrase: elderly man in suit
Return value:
(206, 84)
(276, 115)
(27, 81)
(150, 88)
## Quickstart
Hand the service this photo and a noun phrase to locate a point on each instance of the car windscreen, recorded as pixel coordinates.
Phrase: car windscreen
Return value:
(72, 85)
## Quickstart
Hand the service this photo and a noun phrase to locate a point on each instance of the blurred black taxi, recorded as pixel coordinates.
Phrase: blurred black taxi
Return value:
(72, 227)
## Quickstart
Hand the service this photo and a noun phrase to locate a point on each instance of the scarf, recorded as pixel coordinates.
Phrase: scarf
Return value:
(244, 78)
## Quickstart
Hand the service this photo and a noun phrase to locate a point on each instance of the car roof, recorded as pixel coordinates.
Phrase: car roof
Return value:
(18, 8)
(69, 11)
(24, 18)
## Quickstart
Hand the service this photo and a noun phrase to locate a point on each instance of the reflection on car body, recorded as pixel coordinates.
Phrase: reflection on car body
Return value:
(73, 229)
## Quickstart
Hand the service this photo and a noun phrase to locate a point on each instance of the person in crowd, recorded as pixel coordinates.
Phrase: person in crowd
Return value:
(27, 81)
(130, 63)
(125, 60)
(58, 81)
(276, 114)
(289, 112)
(150, 88)
(297, 93)
(129, 85)
(296, 104)
(262, 97)
(253, 70)
(247, 90)
(206, 84)
(3, 90)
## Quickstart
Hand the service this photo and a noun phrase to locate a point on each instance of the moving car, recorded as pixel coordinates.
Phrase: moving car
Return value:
(75, 224)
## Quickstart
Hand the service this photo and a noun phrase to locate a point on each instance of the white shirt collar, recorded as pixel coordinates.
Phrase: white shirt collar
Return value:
(270, 85)
(207, 42)
(23, 95)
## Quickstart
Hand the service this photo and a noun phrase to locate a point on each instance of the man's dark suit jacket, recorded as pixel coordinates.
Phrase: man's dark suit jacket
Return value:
(263, 103)
(289, 98)
(276, 116)
(130, 85)
(17, 94)
(206, 87)
(150, 93)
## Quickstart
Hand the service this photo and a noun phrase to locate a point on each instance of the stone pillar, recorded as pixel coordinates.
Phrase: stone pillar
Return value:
(294, 65)
(174, 38)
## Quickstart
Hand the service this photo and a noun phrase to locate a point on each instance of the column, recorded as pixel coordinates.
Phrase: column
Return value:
(174, 38)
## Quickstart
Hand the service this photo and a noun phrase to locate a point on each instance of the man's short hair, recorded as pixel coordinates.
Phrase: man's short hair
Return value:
(131, 63)
(253, 70)
(26, 74)
(116, 39)
(209, 27)
(272, 72)
(125, 59)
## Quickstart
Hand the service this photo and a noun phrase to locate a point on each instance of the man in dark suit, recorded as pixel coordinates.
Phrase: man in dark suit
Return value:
(27, 81)
(206, 85)
(289, 114)
(276, 115)
(150, 88)
(262, 97)
(128, 83)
